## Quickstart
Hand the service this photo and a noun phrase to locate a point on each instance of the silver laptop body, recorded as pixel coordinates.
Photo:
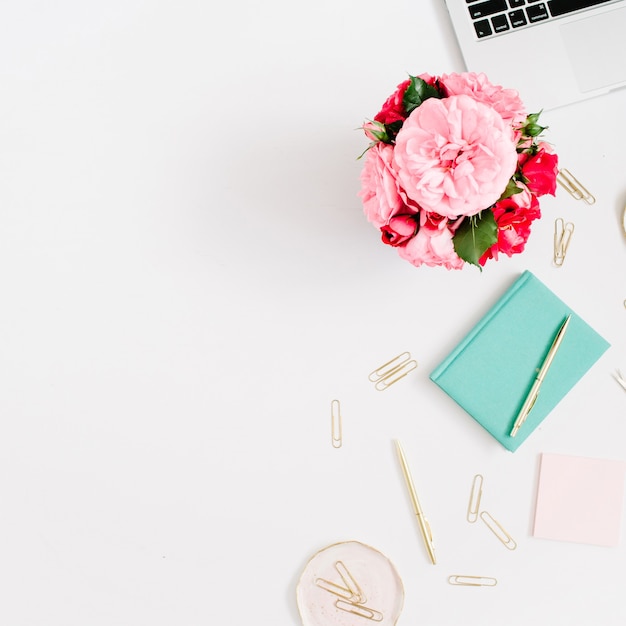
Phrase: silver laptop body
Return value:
(552, 60)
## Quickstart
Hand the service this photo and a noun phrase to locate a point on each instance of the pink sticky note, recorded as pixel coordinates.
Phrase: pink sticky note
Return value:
(579, 499)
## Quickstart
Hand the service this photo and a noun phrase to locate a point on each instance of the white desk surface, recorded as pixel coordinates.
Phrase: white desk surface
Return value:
(187, 281)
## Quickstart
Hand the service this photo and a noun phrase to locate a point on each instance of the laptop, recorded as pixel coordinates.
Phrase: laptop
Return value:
(553, 52)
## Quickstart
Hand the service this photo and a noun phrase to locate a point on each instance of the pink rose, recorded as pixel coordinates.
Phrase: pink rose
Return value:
(514, 223)
(432, 245)
(540, 171)
(399, 229)
(375, 131)
(380, 193)
(454, 156)
(505, 101)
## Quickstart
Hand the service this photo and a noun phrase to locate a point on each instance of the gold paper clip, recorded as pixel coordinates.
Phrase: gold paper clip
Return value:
(352, 599)
(348, 580)
(573, 186)
(620, 379)
(496, 528)
(335, 424)
(562, 235)
(473, 506)
(392, 371)
(472, 581)
(351, 592)
(334, 588)
(360, 610)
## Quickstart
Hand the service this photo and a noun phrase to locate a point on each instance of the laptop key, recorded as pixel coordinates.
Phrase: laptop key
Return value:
(483, 28)
(500, 23)
(563, 7)
(537, 12)
(483, 9)
(518, 18)
(516, 3)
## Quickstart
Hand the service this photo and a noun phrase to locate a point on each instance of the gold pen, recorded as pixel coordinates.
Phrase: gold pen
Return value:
(534, 390)
(422, 521)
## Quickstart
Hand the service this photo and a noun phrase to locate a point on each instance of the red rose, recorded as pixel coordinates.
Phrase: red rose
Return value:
(399, 230)
(513, 223)
(393, 109)
(434, 220)
(540, 171)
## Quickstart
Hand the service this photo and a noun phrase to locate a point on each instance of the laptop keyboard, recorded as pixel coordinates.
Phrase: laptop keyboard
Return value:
(493, 17)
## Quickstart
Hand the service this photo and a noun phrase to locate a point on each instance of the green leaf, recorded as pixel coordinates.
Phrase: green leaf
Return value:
(510, 190)
(474, 236)
(418, 91)
(392, 130)
(532, 128)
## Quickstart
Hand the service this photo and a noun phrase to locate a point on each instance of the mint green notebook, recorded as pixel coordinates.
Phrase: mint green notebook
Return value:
(492, 369)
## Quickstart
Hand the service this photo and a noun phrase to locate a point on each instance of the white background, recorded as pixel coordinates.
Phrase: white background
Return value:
(187, 280)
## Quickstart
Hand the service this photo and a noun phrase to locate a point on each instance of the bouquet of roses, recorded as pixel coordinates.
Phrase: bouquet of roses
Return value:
(454, 170)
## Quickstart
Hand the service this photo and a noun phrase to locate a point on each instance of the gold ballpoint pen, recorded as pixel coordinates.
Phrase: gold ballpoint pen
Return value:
(421, 520)
(534, 390)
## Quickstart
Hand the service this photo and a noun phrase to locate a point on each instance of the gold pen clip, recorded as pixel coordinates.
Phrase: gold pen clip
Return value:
(472, 581)
(336, 427)
(476, 494)
(429, 532)
(620, 379)
(392, 371)
(496, 528)
(573, 186)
